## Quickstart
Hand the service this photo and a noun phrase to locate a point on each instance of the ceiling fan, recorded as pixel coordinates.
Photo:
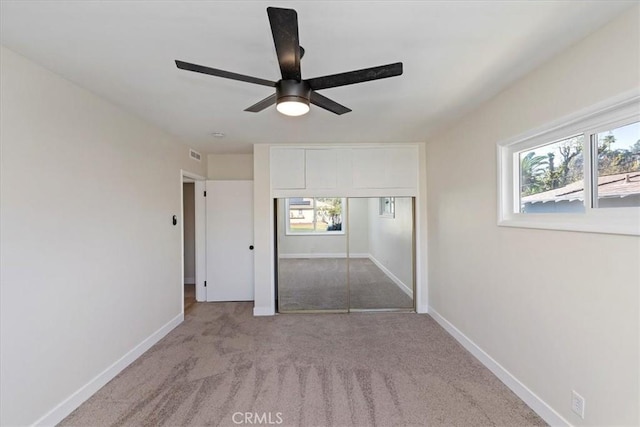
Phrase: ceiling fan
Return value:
(293, 94)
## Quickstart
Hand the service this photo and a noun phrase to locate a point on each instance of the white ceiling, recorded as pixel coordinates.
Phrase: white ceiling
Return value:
(456, 54)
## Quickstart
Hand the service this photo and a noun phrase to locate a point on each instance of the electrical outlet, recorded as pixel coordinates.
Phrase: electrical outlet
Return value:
(577, 404)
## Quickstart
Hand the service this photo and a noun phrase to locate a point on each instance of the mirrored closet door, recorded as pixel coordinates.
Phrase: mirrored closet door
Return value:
(340, 255)
(380, 253)
(312, 254)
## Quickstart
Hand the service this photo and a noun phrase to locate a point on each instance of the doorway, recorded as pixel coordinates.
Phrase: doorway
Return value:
(345, 254)
(222, 240)
(192, 187)
(189, 243)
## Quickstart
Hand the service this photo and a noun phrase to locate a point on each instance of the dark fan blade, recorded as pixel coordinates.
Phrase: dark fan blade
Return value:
(358, 76)
(221, 73)
(284, 27)
(327, 104)
(261, 105)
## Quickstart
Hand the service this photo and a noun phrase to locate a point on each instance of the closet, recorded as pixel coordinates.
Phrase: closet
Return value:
(344, 234)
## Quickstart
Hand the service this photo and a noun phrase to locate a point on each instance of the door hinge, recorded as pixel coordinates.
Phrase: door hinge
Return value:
(205, 194)
(205, 283)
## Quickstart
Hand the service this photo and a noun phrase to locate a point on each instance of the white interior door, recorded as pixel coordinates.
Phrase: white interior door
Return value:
(229, 240)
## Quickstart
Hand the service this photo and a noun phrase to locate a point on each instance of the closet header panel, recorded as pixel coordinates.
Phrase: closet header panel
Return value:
(338, 171)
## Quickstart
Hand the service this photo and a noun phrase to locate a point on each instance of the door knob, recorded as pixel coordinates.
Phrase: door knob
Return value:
(251, 247)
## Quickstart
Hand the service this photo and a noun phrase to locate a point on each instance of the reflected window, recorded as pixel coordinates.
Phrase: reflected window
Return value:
(388, 207)
(314, 215)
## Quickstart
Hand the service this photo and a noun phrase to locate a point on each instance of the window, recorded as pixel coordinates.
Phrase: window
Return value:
(617, 167)
(388, 207)
(552, 176)
(580, 173)
(314, 215)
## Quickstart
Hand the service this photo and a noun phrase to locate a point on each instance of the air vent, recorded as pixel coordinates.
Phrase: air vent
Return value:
(194, 154)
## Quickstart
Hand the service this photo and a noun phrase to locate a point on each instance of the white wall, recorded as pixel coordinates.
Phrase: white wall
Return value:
(391, 239)
(189, 224)
(558, 310)
(91, 264)
(230, 167)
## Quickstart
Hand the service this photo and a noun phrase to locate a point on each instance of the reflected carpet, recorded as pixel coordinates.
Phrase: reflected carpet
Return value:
(321, 284)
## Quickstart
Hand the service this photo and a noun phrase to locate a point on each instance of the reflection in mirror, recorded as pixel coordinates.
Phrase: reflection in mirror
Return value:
(381, 253)
(312, 254)
(339, 254)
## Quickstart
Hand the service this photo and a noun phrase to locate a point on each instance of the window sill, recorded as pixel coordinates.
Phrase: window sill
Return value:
(315, 233)
(625, 223)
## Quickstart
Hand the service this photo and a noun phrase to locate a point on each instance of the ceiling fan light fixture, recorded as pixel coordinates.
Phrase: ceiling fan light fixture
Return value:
(294, 108)
(293, 93)
(292, 97)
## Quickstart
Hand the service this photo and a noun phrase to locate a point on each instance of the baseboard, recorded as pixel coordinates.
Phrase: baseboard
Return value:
(263, 311)
(322, 255)
(68, 405)
(539, 406)
(404, 288)
(189, 280)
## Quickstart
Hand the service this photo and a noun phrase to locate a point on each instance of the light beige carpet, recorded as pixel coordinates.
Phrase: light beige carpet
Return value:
(360, 369)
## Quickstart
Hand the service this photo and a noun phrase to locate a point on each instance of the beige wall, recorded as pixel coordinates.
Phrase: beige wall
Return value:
(558, 310)
(230, 167)
(189, 224)
(91, 263)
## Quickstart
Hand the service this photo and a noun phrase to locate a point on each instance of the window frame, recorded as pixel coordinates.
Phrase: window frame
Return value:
(612, 113)
(287, 225)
